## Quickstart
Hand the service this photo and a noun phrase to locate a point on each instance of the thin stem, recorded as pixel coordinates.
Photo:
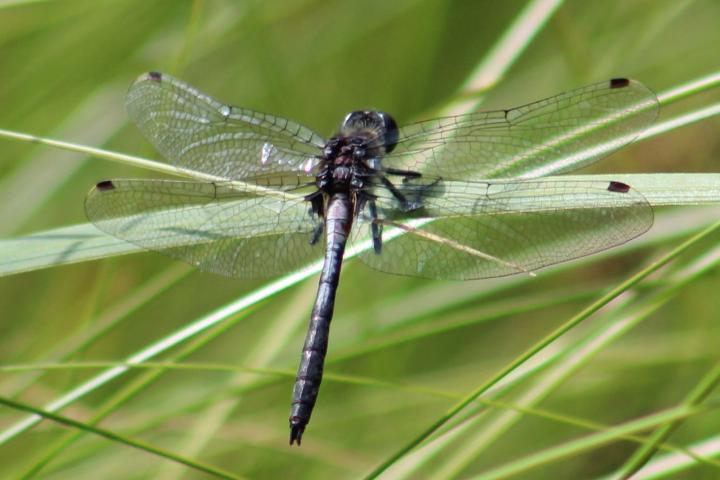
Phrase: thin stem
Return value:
(116, 437)
(554, 335)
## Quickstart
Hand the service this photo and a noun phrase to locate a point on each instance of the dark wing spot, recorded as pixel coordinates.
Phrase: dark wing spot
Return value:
(618, 187)
(619, 83)
(154, 76)
(105, 186)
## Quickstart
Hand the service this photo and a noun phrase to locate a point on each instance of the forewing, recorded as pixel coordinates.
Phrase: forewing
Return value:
(213, 227)
(551, 136)
(198, 134)
(472, 230)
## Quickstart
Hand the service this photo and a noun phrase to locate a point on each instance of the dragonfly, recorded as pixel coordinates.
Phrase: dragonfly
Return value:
(459, 197)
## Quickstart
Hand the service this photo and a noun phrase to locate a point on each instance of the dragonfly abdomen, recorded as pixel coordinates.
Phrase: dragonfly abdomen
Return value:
(338, 220)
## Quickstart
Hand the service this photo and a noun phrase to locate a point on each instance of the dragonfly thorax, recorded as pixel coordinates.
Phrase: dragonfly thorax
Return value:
(345, 164)
(353, 155)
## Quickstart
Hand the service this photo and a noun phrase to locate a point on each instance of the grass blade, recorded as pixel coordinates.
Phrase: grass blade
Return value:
(618, 322)
(554, 335)
(116, 437)
(589, 442)
(162, 345)
(696, 396)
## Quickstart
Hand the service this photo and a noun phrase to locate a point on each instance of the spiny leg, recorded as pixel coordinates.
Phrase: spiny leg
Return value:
(406, 174)
(425, 188)
(416, 192)
(375, 227)
(409, 175)
(317, 208)
(365, 198)
(396, 193)
(317, 232)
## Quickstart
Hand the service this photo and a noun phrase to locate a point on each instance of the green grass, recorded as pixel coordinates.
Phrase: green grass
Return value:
(137, 367)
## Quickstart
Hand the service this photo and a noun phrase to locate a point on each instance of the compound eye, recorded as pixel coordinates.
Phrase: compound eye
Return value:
(354, 119)
(391, 131)
(379, 125)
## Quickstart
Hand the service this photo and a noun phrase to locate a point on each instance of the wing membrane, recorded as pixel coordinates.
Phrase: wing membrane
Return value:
(199, 134)
(555, 135)
(453, 229)
(494, 229)
(213, 227)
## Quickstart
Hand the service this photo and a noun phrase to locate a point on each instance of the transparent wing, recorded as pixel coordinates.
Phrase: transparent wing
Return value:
(555, 135)
(213, 227)
(471, 230)
(199, 134)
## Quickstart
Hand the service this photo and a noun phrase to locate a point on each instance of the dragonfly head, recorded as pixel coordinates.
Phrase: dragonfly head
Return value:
(376, 129)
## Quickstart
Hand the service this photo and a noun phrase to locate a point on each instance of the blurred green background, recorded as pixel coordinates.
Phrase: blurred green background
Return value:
(64, 70)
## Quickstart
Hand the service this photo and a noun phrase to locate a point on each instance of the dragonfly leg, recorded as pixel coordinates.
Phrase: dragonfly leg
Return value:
(396, 193)
(420, 192)
(316, 203)
(425, 188)
(365, 198)
(316, 208)
(406, 174)
(375, 227)
(317, 233)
